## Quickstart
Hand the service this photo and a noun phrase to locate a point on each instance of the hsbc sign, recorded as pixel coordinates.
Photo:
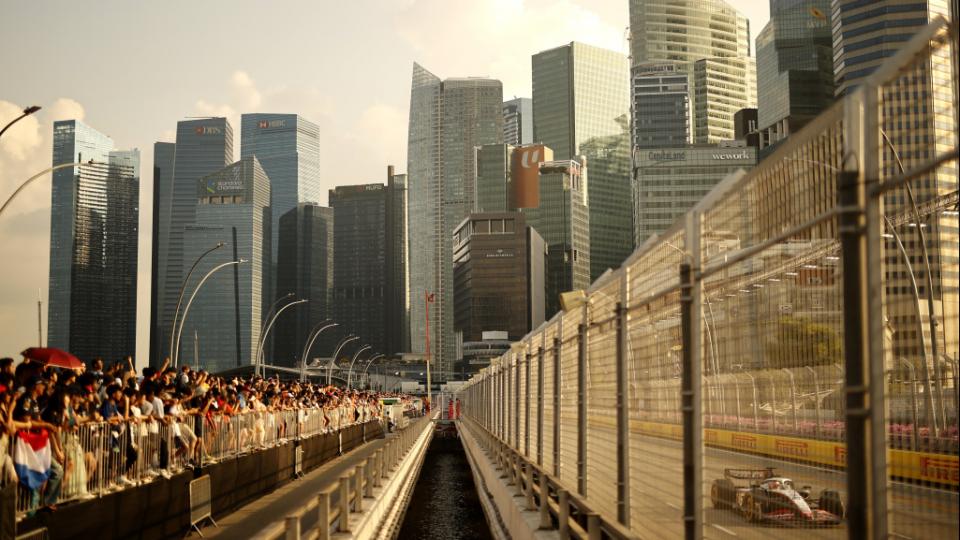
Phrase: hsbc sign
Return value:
(265, 124)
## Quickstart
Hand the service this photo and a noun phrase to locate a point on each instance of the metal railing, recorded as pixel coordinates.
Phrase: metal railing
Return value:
(335, 502)
(803, 316)
(104, 457)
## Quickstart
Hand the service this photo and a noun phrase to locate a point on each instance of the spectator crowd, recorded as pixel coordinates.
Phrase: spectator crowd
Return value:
(72, 434)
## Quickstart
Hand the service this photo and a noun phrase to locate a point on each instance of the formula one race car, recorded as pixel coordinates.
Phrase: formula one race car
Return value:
(773, 499)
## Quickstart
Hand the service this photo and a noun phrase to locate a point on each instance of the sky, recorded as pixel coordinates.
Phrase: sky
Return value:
(133, 69)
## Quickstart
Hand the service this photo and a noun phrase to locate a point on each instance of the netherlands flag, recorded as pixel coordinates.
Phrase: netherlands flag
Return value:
(31, 458)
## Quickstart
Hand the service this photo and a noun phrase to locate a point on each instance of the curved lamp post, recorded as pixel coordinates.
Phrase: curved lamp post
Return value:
(263, 336)
(175, 352)
(372, 359)
(333, 359)
(26, 112)
(263, 323)
(350, 371)
(183, 289)
(314, 334)
(41, 173)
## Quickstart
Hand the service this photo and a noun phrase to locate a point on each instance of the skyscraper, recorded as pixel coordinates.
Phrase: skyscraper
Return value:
(93, 245)
(518, 121)
(397, 262)
(203, 146)
(448, 119)
(794, 67)
(359, 268)
(706, 40)
(288, 148)
(305, 268)
(563, 220)
(223, 324)
(163, 157)
(581, 105)
(918, 124)
(493, 177)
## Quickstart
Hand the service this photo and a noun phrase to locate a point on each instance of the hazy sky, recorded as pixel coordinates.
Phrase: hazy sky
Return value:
(133, 69)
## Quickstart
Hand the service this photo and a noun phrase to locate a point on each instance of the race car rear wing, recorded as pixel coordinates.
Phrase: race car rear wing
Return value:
(749, 474)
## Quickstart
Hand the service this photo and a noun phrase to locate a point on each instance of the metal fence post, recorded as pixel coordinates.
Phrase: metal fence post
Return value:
(526, 404)
(582, 403)
(358, 488)
(543, 342)
(623, 404)
(323, 515)
(691, 385)
(291, 528)
(545, 521)
(557, 345)
(860, 120)
(563, 514)
(344, 522)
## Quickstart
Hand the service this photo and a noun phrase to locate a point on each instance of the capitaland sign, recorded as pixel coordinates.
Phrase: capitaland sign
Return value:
(666, 155)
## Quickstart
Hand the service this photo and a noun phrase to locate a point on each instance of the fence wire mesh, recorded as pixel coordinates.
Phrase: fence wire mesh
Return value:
(769, 307)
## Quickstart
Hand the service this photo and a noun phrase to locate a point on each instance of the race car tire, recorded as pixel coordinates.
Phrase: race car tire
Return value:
(830, 501)
(722, 493)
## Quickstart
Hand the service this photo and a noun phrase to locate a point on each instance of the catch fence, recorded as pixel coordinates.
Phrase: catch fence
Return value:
(784, 358)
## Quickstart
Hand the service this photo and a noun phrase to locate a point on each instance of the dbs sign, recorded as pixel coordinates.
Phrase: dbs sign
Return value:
(525, 175)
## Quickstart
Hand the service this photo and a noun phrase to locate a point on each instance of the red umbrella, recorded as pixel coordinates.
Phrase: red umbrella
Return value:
(53, 357)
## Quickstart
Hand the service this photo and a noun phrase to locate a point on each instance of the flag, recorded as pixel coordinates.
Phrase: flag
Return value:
(429, 297)
(31, 458)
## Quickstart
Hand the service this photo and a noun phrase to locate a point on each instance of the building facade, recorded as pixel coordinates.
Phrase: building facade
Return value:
(709, 42)
(563, 221)
(222, 328)
(203, 147)
(94, 228)
(288, 148)
(493, 177)
(397, 289)
(672, 180)
(499, 271)
(163, 157)
(581, 105)
(794, 67)
(305, 268)
(448, 119)
(518, 121)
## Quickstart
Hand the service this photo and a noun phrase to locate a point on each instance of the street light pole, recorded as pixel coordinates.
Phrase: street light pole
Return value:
(183, 288)
(350, 371)
(41, 173)
(26, 112)
(266, 317)
(333, 359)
(314, 334)
(176, 349)
(263, 336)
(370, 361)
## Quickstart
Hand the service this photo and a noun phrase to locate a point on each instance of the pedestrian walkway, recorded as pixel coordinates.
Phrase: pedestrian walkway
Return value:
(254, 517)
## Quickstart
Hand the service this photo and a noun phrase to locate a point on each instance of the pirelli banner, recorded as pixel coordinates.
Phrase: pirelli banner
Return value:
(942, 469)
(525, 174)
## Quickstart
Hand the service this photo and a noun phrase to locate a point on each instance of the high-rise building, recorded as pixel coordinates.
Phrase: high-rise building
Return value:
(397, 289)
(709, 42)
(581, 105)
(794, 67)
(919, 124)
(93, 245)
(369, 271)
(518, 121)
(203, 147)
(499, 265)
(673, 180)
(493, 177)
(305, 268)
(163, 157)
(288, 148)
(223, 325)
(448, 119)
(563, 221)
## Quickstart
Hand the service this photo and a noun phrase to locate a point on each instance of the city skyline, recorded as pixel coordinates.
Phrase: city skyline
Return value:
(177, 85)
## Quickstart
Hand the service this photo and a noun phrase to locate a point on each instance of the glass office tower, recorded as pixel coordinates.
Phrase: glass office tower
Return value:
(223, 325)
(203, 146)
(93, 245)
(288, 148)
(448, 119)
(518, 121)
(581, 104)
(794, 67)
(163, 157)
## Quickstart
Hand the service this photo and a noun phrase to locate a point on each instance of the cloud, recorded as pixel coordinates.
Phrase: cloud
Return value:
(244, 90)
(65, 109)
(496, 38)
